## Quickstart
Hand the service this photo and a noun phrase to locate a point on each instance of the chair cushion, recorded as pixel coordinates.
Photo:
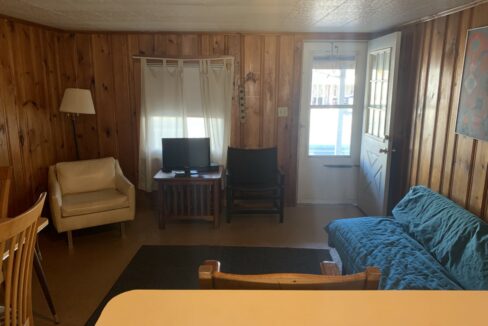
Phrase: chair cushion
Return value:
(93, 202)
(84, 176)
(457, 238)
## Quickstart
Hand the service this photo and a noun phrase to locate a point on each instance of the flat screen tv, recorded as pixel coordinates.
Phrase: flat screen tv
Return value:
(186, 154)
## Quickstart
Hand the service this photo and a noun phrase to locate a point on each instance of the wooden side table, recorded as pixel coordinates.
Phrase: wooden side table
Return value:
(189, 197)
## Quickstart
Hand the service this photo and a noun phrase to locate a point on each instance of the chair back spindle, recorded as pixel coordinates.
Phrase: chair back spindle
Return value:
(17, 242)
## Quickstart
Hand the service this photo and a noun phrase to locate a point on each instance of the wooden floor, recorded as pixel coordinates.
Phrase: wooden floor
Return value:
(79, 280)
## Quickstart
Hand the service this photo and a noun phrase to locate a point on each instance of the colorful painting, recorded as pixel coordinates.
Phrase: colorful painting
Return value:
(472, 119)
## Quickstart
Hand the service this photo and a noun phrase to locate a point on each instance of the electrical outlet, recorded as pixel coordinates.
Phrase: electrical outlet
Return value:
(282, 111)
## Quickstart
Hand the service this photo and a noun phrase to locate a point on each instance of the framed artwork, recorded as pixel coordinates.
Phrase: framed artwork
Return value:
(472, 119)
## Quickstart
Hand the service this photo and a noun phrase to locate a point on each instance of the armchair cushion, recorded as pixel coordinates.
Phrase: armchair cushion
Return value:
(93, 202)
(86, 176)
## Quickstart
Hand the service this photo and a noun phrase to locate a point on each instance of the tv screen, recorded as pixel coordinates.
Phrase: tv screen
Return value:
(186, 153)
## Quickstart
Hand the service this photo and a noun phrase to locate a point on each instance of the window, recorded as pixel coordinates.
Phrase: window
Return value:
(378, 93)
(331, 106)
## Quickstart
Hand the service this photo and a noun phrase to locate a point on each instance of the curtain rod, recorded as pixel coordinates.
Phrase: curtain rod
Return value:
(184, 59)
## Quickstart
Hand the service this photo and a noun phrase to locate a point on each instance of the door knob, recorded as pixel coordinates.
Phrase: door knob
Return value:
(386, 151)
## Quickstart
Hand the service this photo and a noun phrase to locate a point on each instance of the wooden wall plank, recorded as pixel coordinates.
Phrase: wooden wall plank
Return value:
(233, 48)
(431, 99)
(268, 91)
(419, 109)
(135, 93)
(251, 129)
(445, 98)
(104, 94)
(86, 124)
(205, 46)
(218, 44)
(66, 49)
(287, 152)
(463, 153)
(146, 44)
(58, 125)
(189, 45)
(124, 119)
(452, 139)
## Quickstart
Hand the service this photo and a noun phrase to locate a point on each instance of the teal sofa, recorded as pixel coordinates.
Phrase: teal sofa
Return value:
(429, 243)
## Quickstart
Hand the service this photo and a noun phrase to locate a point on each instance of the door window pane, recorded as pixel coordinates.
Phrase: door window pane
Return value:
(330, 132)
(378, 94)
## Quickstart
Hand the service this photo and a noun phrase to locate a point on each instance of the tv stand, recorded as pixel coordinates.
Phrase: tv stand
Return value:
(193, 196)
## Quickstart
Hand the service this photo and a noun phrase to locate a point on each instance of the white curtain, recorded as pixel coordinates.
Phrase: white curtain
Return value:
(183, 99)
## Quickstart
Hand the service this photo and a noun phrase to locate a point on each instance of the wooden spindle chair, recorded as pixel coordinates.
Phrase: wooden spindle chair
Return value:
(17, 241)
(210, 277)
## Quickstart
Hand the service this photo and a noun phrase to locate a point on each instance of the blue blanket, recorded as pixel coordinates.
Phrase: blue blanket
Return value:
(382, 242)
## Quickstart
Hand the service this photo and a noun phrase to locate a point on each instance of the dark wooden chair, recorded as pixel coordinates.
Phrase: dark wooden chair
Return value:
(253, 176)
(210, 277)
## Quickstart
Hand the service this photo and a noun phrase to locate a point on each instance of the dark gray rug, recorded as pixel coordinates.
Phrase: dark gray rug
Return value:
(176, 267)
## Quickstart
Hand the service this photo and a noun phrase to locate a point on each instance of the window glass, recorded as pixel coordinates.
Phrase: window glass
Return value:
(330, 132)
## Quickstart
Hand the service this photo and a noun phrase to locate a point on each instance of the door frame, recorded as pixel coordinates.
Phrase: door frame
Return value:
(313, 48)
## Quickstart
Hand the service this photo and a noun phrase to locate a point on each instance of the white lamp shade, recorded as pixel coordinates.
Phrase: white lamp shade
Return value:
(76, 100)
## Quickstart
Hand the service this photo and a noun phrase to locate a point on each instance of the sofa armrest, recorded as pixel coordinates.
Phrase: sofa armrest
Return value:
(55, 196)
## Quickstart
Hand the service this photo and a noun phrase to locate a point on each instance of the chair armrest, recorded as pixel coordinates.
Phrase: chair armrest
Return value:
(121, 182)
(125, 186)
(205, 273)
(329, 268)
(55, 196)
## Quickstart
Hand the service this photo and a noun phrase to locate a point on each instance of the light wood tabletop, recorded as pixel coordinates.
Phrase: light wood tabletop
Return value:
(242, 307)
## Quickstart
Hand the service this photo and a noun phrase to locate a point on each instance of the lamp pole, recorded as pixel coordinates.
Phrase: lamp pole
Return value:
(75, 136)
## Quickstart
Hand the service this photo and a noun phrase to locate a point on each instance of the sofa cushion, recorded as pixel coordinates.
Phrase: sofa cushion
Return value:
(382, 242)
(93, 202)
(454, 236)
(85, 176)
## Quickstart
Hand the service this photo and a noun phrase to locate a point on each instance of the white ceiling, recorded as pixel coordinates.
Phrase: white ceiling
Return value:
(226, 15)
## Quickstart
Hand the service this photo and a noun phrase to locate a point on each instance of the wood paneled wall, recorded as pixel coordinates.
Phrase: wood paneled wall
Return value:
(37, 64)
(268, 66)
(32, 133)
(454, 165)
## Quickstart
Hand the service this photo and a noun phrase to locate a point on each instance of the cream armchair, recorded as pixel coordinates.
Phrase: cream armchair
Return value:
(89, 193)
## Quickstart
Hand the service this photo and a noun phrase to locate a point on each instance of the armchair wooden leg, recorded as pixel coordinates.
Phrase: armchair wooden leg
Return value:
(122, 229)
(70, 240)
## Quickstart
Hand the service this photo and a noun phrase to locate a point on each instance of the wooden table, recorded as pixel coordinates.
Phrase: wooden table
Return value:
(241, 307)
(184, 197)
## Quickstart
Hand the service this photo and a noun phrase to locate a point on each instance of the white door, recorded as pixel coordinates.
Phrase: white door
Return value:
(333, 78)
(379, 110)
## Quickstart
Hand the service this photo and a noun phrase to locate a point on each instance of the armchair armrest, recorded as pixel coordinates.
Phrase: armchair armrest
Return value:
(125, 186)
(121, 182)
(55, 196)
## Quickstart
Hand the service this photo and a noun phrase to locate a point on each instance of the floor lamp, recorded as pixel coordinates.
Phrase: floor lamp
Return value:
(77, 101)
